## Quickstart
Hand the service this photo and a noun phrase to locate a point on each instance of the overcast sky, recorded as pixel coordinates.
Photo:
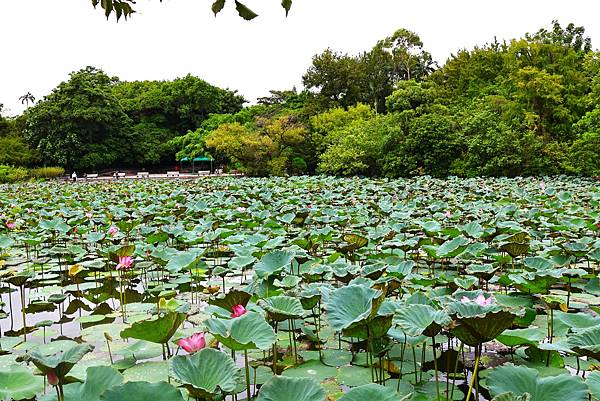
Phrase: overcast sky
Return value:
(42, 42)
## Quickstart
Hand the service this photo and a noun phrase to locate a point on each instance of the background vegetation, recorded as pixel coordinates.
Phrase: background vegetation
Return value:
(528, 106)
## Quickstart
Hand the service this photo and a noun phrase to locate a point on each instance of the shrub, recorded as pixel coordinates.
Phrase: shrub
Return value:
(47, 172)
(10, 174)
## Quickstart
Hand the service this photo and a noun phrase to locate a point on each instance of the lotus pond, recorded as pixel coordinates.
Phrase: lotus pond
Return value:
(301, 289)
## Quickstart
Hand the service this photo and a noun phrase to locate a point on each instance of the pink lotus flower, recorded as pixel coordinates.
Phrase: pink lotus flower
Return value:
(113, 230)
(88, 215)
(52, 378)
(10, 225)
(479, 300)
(125, 262)
(542, 186)
(238, 311)
(448, 213)
(192, 344)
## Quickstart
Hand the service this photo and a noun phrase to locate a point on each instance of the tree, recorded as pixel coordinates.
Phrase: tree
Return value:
(163, 110)
(408, 58)
(336, 80)
(266, 147)
(27, 98)
(359, 148)
(426, 144)
(81, 123)
(329, 128)
(124, 8)
(583, 153)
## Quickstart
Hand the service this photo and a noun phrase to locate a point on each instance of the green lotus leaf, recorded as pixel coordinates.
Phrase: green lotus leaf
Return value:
(158, 329)
(98, 380)
(477, 324)
(60, 362)
(522, 380)
(183, 261)
(586, 342)
(282, 388)
(231, 299)
(353, 242)
(516, 337)
(401, 270)
(370, 392)
(288, 281)
(313, 369)
(350, 305)
(142, 391)
(375, 327)
(419, 320)
(206, 373)
(273, 262)
(249, 331)
(593, 383)
(18, 383)
(511, 397)
(282, 307)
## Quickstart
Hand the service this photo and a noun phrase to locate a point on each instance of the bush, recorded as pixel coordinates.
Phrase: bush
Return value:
(47, 172)
(10, 174)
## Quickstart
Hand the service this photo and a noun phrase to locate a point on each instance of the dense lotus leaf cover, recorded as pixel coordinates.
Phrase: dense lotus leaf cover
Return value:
(320, 287)
(521, 380)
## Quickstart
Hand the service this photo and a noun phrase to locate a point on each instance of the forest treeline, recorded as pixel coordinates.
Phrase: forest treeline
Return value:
(528, 106)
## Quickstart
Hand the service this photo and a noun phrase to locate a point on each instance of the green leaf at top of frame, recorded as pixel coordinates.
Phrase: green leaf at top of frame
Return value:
(286, 4)
(217, 6)
(244, 11)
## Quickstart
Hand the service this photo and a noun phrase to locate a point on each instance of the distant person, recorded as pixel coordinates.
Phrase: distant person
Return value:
(74, 176)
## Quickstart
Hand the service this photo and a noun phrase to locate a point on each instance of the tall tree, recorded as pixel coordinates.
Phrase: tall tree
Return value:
(27, 98)
(81, 123)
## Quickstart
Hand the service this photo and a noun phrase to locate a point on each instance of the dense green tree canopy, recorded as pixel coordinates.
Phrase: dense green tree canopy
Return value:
(81, 123)
(94, 121)
(521, 107)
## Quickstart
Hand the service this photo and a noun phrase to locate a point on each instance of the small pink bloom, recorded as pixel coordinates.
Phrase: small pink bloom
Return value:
(52, 378)
(113, 230)
(448, 213)
(542, 186)
(481, 301)
(241, 209)
(125, 262)
(88, 215)
(238, 311)
(192, 344)
(178, 205)
(10, 225)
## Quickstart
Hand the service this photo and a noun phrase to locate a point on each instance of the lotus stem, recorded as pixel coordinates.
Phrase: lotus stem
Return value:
(415, 363)
(462, 346)
(247, 374)
(275, 351)
(473, 378)
(22, 290)
(435, 367)
(403, 349)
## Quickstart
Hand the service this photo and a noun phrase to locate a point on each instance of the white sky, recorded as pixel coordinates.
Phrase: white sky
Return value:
(40, 43)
